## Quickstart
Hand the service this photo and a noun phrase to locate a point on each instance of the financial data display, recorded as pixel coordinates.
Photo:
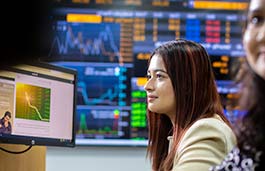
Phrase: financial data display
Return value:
(87, 42)
(109, 42)
(159, 4)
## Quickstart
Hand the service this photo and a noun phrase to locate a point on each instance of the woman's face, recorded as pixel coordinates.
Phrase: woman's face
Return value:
(6, 118)
(160, 93)
(254, 37)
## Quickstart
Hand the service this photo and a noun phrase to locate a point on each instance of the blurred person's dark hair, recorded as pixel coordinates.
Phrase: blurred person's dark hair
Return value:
(26, 31)
(250, 127)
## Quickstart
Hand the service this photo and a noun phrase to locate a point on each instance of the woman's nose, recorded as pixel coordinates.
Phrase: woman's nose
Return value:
(148, 85)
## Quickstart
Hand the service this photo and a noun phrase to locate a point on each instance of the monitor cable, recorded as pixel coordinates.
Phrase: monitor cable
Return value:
(16, 152)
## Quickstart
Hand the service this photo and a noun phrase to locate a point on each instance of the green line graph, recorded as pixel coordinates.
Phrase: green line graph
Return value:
(33, 102)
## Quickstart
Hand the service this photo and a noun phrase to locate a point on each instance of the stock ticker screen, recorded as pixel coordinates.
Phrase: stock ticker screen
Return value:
(109, 42)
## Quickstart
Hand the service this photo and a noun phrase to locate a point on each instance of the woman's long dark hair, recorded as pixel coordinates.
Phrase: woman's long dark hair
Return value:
(189, 68)
(250, 129)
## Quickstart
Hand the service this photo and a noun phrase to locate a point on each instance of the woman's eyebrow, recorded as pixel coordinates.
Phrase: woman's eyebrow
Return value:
(255, 11)
(161, 70)
(157, 70)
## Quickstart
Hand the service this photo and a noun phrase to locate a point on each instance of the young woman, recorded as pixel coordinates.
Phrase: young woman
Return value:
(5, 124)
(187, 127)
(249, 154)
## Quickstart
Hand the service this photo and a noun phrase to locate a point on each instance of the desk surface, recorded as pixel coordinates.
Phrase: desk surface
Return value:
(32, 160)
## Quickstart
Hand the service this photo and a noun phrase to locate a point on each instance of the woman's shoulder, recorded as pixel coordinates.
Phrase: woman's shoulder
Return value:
(213, 128)
(215, 123)
(204, 144)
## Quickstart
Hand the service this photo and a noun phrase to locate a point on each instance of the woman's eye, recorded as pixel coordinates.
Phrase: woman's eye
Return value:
(255, 20)
(148, 77)
(159, 76)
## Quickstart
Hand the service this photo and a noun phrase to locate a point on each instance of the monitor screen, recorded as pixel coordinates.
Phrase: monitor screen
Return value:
(109, 43)
(37, 105)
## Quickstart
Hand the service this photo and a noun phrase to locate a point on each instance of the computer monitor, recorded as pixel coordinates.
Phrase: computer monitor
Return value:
(37, 105)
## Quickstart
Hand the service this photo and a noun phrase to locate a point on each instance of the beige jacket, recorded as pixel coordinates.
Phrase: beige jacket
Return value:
(205, 144)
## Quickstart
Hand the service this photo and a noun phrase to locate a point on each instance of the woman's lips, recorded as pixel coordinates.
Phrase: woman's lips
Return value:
(261, 51)
(151, 98)
(261, 55)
